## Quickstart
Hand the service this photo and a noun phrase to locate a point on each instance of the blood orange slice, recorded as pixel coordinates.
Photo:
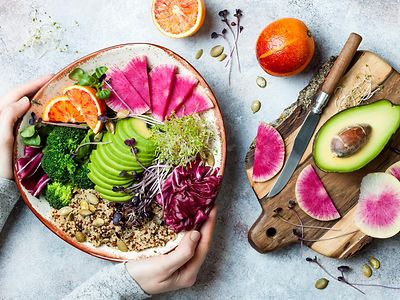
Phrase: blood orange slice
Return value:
(60, 109)
(178, 18)
(85, 100)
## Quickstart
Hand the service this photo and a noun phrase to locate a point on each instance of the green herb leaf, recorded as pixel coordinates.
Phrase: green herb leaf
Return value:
(76, 74)
(100, 71)
(32, 141)
(85, 149)
(28, 132)
(103, 94)
(86, 79)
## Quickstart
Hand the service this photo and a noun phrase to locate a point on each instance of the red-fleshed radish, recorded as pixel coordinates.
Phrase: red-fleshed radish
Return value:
(123, 95)
(196, 103)
(162, 79)
(183, 87)
(394, 170)
(312, 196)
(136, 73)
(269, 154)
(378, 209)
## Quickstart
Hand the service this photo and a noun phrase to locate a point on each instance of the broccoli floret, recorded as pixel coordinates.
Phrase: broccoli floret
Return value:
(80, 179)
(58, 165)
(65, 139)
(58, 195)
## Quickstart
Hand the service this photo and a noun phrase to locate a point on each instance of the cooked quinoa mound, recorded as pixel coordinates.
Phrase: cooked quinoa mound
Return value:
(89, 218)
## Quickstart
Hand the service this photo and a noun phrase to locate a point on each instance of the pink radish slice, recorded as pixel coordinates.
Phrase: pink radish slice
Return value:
(136, 73)
(196, 103)
(269, 154)
(162, 80)
(123, 95)
(378, 209)
(394, 170)
(313, 198)
(183, 87)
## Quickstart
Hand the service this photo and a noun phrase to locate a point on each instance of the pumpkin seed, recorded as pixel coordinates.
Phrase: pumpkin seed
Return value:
(321, 283)
(92, 208)
(367, 271)
(216, 50)
(122, 246)
(375, 263)
(222, 57)
(198, 54)
(80, 237)
(255, 106)
(84, 205)
(64, 211)
(98, 222)
(110, 126)
(105, 241)
(92, 199)
(98, 137)
(123, 114)
(85, 212)
(261, 82)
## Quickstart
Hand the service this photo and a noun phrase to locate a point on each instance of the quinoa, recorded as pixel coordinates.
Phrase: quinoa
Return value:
(153, 233)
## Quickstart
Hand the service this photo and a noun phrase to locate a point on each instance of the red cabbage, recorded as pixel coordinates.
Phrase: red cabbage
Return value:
(29, 171)
(188, 194)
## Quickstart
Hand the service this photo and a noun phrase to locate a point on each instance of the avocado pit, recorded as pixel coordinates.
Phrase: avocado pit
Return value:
(350, 140)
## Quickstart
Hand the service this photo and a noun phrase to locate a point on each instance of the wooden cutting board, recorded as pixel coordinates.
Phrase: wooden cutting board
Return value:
(270, 233)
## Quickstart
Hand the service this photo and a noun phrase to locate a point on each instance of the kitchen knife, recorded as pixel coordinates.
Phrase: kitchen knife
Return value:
(310, 123)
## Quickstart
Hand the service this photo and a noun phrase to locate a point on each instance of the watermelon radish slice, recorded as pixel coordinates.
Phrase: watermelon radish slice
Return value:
(378, 209)
(196, 103)
(162, 80)
(123, 95)
(394, 170)
(313, 198)
(269, 154)
(136, 73)
(183, 87)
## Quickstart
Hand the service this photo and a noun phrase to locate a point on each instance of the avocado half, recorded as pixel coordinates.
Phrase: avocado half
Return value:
(384, 119)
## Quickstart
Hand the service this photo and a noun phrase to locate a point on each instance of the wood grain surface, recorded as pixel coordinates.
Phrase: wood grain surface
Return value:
(271, 232)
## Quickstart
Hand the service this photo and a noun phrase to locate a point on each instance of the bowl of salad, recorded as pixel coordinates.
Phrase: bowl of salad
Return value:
(122, 152)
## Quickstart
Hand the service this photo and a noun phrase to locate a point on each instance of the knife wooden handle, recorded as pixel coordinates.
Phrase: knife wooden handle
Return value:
(341, 63)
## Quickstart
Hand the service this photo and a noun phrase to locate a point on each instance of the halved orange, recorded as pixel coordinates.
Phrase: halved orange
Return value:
(178, 18)
(60, 109)
(85, 100)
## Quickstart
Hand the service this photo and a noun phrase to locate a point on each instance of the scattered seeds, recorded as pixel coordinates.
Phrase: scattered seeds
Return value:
(216, 50)
(375, 263)
(222, 57)
(123, 114)
(367, 271)
(92, 199)
(321, 283)
(122, 246)
(80, 237)
(92, 208)
(198, 54)
(261, 82)
(84, 205)
(85, 212)
(255, 106)
(65, 211)
(98, 222)
(110, 126)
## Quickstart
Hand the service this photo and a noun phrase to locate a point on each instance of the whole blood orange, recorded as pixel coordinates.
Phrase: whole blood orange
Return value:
(85, 100)
(285, 47)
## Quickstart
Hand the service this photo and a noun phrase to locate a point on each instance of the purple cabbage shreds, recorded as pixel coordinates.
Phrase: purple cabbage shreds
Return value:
(188, 194)
(29, 170)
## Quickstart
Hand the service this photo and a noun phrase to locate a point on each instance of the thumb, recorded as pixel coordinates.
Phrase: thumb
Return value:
(13, 111)
(183, 253)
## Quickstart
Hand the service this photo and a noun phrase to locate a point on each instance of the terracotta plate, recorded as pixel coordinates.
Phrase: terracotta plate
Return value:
(118, 56)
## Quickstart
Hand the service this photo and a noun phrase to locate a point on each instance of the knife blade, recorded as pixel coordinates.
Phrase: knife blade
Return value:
(311, 121)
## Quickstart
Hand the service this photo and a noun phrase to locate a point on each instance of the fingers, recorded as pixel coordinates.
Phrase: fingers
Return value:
(183, 253)
(11, 113)
(26, 89)
(189, 273)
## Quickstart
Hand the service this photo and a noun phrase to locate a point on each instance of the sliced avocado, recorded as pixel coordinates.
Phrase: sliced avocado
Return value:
(98, 177)
(126, 129)
(112, 196)
(382, 116)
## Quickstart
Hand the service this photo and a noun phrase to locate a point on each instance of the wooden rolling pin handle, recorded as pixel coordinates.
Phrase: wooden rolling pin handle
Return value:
(341, 63)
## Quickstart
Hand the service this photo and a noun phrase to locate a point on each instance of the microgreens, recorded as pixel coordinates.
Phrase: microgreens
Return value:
(96, 80)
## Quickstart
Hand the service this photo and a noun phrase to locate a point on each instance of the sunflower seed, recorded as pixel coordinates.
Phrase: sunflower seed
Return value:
(198, 54)
(216, 50)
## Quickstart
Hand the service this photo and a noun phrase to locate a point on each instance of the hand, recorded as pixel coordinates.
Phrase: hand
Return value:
(179, 268)
(12, 106)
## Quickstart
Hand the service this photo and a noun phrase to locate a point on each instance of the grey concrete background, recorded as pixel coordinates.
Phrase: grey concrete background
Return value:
(35, 264)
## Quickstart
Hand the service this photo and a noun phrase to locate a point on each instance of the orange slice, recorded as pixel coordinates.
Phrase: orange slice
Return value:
(85, 100)
(178, 18)
(60, 109)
